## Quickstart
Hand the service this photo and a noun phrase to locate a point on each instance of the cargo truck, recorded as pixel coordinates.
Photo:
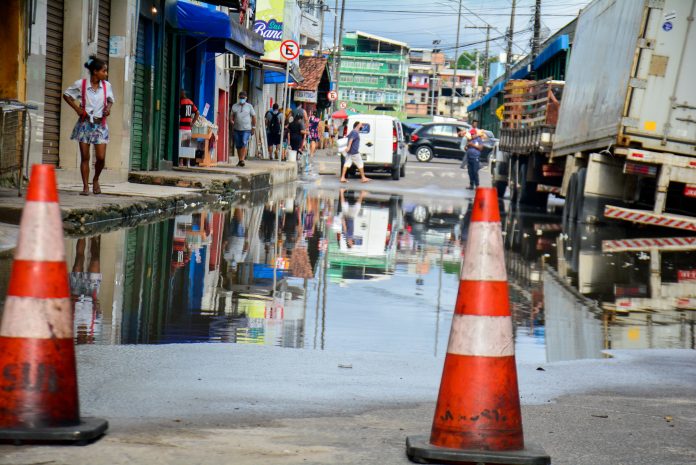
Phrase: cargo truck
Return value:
(624, 146)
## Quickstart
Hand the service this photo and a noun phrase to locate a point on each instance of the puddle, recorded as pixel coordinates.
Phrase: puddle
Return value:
(369, 272)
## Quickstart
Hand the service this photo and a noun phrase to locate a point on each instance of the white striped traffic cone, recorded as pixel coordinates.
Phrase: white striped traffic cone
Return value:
(38, 382)
(477, 417)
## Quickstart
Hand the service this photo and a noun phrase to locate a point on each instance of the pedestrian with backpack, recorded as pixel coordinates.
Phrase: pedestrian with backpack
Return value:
(274, 126)
(96, 97)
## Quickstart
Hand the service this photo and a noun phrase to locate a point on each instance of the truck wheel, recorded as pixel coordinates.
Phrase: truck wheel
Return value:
(569, 211)
(424, 153)
(501, 187)
(580, 196)
(512, 176)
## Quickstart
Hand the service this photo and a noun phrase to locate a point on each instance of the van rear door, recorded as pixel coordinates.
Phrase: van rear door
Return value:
(367, 138)
(384, 138)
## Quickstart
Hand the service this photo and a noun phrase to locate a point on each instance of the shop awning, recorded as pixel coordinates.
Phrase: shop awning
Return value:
(199, 21)
(275, 73)
(221, 33)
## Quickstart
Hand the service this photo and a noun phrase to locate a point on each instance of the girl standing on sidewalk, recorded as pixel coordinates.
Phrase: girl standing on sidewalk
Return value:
(96, 97)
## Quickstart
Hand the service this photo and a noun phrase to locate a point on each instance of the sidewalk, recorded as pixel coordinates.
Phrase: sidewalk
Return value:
(152, 194)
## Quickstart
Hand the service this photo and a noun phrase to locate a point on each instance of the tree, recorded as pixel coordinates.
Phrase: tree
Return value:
(467, 60)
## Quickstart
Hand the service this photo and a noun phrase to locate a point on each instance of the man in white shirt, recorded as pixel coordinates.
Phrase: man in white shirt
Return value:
(243, 119)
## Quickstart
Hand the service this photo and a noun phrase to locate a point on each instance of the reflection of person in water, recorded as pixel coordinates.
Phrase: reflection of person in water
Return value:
(236, 246)
(84, 290)
(350, 209)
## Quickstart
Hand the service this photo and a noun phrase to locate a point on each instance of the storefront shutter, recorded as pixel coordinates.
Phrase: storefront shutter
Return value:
(54, 82)
(164, 100)
(103, 30)
(138, 128)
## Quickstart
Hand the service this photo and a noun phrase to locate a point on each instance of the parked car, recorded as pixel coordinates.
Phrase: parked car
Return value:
(382, 144)
(410, 128)
(441, 140)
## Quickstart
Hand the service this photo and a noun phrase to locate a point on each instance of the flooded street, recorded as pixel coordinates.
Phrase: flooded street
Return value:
(370, 272)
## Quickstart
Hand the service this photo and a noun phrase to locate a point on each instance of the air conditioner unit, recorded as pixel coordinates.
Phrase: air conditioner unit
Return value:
(234, 62)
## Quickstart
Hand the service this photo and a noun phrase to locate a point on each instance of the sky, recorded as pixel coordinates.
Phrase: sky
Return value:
(419, 22)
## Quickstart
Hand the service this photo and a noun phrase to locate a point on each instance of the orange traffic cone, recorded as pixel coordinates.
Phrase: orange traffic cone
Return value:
(38, 378)
(477, 417)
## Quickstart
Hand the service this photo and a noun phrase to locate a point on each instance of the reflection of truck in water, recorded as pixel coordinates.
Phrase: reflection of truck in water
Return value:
(364, 236)
(623, 145)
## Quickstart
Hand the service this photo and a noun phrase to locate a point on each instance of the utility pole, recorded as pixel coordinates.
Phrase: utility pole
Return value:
(486, 53)
(339, 45)
(476, 77)
(321, 34)
(537, 30)
(456, 61)
(510, 32)
(335, 28)
(432, 79)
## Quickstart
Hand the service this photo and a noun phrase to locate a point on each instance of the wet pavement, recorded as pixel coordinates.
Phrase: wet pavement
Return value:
(358, 270)
(306, 325)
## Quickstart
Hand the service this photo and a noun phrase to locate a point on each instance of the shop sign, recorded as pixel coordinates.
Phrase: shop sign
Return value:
(269, 25)
(306, 96)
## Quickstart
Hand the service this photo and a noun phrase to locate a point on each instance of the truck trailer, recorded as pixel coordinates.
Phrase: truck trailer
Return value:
(624, 146)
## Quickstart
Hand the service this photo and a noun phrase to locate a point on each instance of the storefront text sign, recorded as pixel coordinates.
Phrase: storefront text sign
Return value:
(306, 96)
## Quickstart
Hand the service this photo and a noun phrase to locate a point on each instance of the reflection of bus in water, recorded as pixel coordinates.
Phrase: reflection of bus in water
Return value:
(364, 233)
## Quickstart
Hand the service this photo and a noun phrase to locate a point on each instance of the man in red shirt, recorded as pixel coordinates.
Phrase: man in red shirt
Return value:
(188, 114)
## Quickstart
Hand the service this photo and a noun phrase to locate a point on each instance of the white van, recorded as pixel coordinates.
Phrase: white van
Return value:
(383, 146)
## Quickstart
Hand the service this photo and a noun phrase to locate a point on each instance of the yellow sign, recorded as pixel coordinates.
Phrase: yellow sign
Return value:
(269, 25)
(499, 112)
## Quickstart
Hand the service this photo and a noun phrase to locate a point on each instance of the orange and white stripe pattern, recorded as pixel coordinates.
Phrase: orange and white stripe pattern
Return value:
(39, 385)
(647, 217)
(478, 404)
(663, 244)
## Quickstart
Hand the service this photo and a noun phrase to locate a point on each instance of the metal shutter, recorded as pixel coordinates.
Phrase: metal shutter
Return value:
(137, 132)
(53, 92)
(164, 99)
(103, 30)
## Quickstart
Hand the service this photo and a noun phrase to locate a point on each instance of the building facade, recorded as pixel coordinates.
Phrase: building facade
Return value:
(455, 93)
(422, 89)
(373, 73)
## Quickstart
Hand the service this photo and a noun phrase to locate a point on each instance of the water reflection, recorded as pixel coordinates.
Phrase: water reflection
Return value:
(361, 271)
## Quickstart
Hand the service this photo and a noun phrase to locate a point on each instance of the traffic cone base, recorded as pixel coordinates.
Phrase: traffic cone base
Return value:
(38, 376)
(80, 434)
(419, 450)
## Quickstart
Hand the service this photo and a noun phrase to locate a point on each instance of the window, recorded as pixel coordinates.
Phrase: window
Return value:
(443, 130)
(365, 129)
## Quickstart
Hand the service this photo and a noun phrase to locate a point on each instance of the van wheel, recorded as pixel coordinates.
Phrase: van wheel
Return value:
(402, 171)
(424, 153)
(395, 173)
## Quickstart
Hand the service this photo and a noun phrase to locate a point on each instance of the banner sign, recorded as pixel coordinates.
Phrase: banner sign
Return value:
(306, 96)
(269, 25)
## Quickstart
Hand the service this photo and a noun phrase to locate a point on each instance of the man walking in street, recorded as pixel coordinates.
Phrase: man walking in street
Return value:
(352, 155)
(243, 119)
(274, 124)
